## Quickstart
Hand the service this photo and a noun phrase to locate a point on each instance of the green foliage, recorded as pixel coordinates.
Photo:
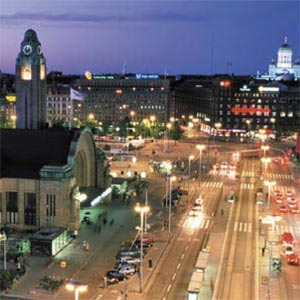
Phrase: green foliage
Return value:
(6, 279)
(50, 284)
(106, 147)
(130, 147)
(176, 132)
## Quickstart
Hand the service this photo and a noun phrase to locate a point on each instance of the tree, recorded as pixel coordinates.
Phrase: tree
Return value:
(6, 279)
(176, 132)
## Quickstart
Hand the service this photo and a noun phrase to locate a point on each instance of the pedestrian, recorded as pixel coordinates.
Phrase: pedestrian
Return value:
(87, 248)
(212, 285)
(263, 251)
(111, 222)
(104, 221)
(222, 212)
(105, 281)
(18, 266)
(99, 229)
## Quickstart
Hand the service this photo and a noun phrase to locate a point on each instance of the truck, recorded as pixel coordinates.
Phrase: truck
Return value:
(195, 285)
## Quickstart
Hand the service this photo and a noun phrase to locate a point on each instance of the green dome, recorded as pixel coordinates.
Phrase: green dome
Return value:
(285, 47)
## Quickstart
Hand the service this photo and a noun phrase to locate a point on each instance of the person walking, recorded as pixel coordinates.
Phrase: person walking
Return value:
(99, 229)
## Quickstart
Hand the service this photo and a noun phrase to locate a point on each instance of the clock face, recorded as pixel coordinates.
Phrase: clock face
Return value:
(27, 49)
(39, 50)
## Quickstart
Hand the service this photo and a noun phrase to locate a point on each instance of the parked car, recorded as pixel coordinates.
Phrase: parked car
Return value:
(199, 200)
(287, 238)
(292, 200)
(295, 210)
(113, 276)
(194, 212)
(129, 260)
(137, 243)
(283, 209)
(293, 259)
(128, 253)
(127, 269)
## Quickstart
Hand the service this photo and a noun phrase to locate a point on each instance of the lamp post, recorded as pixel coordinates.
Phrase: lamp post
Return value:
(265, 148)
(265, 161)
(191, 157)
(200, 147)
(271, 220)
(4, 238)
(172, 178)
(142, 210)
(269, 184)
(77, 287)
(217, 126)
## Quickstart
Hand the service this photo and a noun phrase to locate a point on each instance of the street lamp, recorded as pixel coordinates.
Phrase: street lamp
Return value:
(77, 287)
(191, 157)
(265, 148)
(142, 210)
(271, 219)
(265, 161)
(172, 178)
(217, 126)
(4, 238)
(200, 147)
(269, 184)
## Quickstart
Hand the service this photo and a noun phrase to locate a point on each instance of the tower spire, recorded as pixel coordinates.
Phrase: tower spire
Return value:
(285, 39)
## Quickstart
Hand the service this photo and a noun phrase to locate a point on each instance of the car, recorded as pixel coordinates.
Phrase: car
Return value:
(127, 269)
(289, 250)
(283, 209)
(128, 252)
(113, 276)
(146, 239)
(287, 238)
(277, 192)
(292, 205)
(293, 259)
(197, 207)
(199, 201)
(231, 197)
(194, 212)
(295, 210)
(137, 243)
(292, 200)
(224, 165)
(279, 200)
(129, 259)
(288, 193)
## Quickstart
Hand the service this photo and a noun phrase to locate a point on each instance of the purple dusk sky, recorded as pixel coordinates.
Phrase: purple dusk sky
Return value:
(151, 35)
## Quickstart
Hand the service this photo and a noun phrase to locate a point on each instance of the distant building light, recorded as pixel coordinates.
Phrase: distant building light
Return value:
(245, 89)
(88, 75)
(268, 89)
(119, 91)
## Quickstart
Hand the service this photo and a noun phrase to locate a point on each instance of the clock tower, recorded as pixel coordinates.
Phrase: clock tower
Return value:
(31, 83)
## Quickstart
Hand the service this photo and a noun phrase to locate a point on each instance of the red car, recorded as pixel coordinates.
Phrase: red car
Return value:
(293, 259)
(287, 238)
(283, 209)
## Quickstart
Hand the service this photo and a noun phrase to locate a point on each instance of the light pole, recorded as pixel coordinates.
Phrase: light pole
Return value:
(269, 184)
(142, 210)
(172, 178)
(217, 126)
(270, 220)
(77, 287)
(4, 238)
(200, 147)
(265, 148)
(265, 161)
(191, 157)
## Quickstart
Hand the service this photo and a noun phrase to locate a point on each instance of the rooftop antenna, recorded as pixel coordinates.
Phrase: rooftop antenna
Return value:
(285, 39)
(124, 67)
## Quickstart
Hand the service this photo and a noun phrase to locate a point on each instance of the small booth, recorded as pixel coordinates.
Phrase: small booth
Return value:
(48, 241)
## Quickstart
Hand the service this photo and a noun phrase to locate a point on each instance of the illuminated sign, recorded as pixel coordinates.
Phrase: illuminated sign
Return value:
(146, 76)
(268, 89)
(103, 77)
(11, 98)
(26, 72)
(249, 110)
(245, 89)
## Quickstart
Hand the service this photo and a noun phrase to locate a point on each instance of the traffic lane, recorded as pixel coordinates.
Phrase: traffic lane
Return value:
(181, 278)
(170, 265)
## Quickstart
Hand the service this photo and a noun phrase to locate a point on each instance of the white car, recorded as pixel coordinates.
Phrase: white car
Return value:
(289, 194)
(199, 201)
(127, 269)
(194, 212)
(130, 260)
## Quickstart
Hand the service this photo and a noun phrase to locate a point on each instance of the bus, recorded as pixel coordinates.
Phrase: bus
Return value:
(195, 285)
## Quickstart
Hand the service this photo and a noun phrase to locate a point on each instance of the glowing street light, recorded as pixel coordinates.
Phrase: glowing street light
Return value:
(265, 161)
(142, 210)
(77, 287)
(269, 184)
(265, 148)
(200, 147)
(217, 126)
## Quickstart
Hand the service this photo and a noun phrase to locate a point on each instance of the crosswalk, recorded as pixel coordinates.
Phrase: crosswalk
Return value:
(269, 175)
(196, 223)
(247, 186)
(247, 227)
(212, 184)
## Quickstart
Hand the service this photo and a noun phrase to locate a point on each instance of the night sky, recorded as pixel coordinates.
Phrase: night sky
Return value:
(150, 36)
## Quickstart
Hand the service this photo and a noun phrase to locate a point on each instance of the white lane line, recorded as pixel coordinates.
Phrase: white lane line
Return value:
(169, 287)
(178, 266)
(164, 298)
(241, 226)
(245, 227)
(250, 227)
(174, 275)
(182, 256)
(186, 247)
(207, 224)
(235, 226)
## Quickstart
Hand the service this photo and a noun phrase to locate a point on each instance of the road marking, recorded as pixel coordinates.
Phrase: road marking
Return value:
(164, 298)
(241, 227)
(235, 226)
(182, 256)
(245, 227)
(178, 266)
(207, 224)
(186, 247)
(174, 275)
(169, 287)
(250, 227)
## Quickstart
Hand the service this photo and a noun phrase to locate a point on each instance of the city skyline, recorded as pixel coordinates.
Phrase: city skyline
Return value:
(151, 36)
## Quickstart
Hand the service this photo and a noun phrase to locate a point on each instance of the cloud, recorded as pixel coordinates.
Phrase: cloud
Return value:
(88, 18)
